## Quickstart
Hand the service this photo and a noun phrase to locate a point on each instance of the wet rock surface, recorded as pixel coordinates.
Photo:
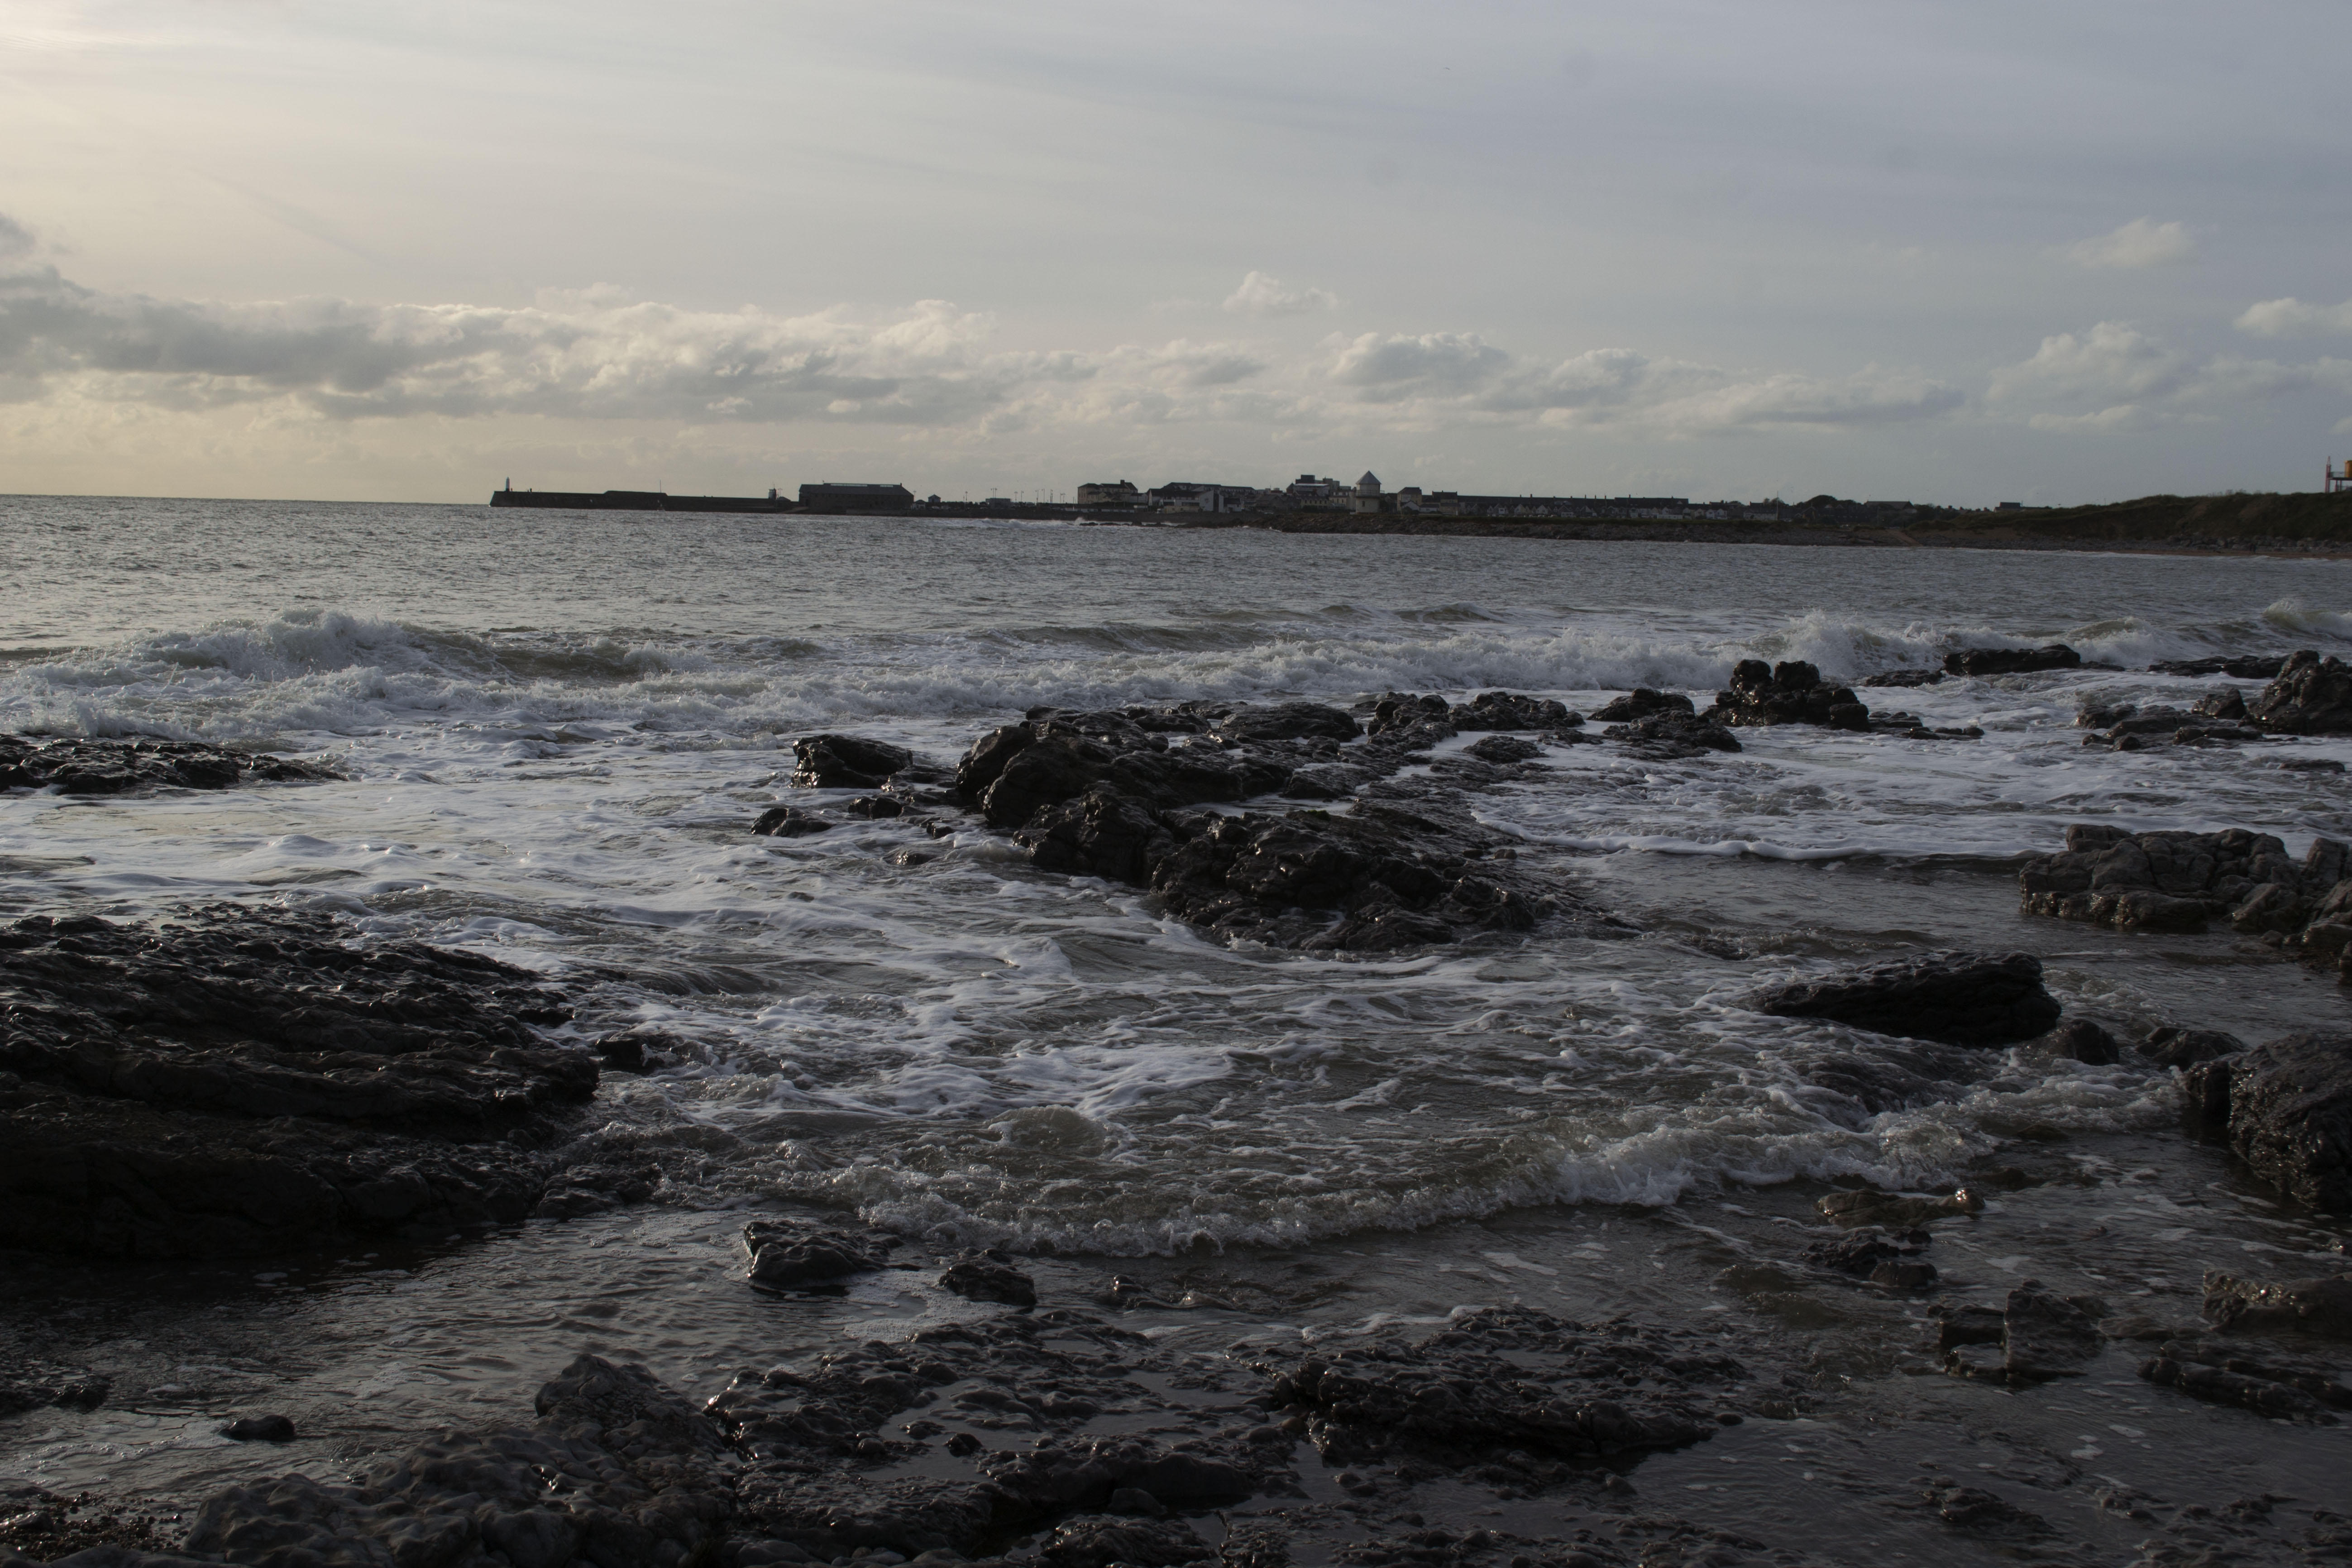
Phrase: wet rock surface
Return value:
(237, 1081)
(2310, 696)
(792, 1255)
(990, 1276)
(846, 762)
(2181, 883)
(2321, 1305)
(121, 767)
(2261, 1378)
(2012, 660)
(1791, 692)
(2285, 1108)
(2035, 1335)
(1954, 998)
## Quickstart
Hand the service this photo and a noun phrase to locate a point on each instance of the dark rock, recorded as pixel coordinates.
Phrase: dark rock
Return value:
(1882, 1257)
(791, 1255)
(2045, 1335)
(988, 1277)
(1790, 693)
(1958, 1325)
(2281, 1388)
(1507, 1379)
(2170, 881)
(788, 822)
(1286, 722)
(1905, 678)
(1056, 766)
(33, 1387)
(875, 807)
(261, 1429)
(238, 1079)
(2012, 660)
(1958, 999)
(2086, 1042)
(1402, 710)
(2311, 696)
(2245, 668)
(1865, 1207)
(2177, 1047)
(1640, 703)
(846, 762)
(2285, 1108)
(1506, 711)
(1277, 878)
(1671, 735)
(2319, 1306)
(120, 767)
(641, 1050)
(1098, 835)
(1505, 750)
(1973, 1508)
(1134, 1543)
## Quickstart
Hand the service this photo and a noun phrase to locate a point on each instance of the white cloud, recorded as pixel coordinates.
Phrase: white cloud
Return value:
(2281, 318)
(2134, 381)
(2139, 243)
(1262, 295)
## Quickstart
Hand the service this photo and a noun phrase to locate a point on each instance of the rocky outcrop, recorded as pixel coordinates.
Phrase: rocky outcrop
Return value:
(2317, 1306)
(2244, 667)
(1503, 710)
(1791, 692)
(1955, 998)
(1506, 1379)
(2219, 718)
(2264, 1381)
(121, 767)
(1889, 1259)
(2182, 881)
(240, 1080)
(989, 1275)
(1670, 735)
(846, 762)
(1641, 703)
(1906, 678)
(2035, 1336)
(2012, 660)
(786, 1255)
(2311, 696)
(2285, 1108)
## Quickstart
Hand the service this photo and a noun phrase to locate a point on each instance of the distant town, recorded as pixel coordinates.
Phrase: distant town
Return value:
(1195, 503)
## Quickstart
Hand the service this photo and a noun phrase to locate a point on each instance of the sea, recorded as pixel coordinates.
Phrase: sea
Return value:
(557, 728)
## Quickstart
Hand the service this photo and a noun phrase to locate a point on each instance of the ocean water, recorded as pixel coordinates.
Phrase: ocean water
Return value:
(558, 729)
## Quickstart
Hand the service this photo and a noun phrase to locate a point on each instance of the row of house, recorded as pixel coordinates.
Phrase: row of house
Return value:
(1309, 493)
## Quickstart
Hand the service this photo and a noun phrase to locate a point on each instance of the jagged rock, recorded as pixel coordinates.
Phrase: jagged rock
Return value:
(34, 1387)
(2311, 696)
(1958, 999)
(1403, 712)
(1670, 734)
(1507, 1379)
(1958, 1325)
(1098, 835)
(1883, 1258)
(2242, 666)
(1278, 879)
(261, 1429)
(2179, 881)
(2319, 1306)
(788, 822)
(2285, 1108)
(1504, 750)
(846, 762)
(1790, 693)
(238, 1079)
(2086, 1042)
(2267, 1383)
(1043, 762)
(2045, 1335)
(2177, 1047)
(1097, 1542)
(988, 1277)
(1906, 678)
(1506, 711)
(789, 1255)
(1285, 722)
(118, 767)
(1641, 703)
(2012, 660)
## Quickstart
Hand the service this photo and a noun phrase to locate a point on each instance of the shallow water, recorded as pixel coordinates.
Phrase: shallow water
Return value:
(559, 727)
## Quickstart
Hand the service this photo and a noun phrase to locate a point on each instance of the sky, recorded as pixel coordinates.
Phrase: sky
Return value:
(1888, 249)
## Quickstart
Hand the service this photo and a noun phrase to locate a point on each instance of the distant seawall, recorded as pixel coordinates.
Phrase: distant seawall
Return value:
(637, 501)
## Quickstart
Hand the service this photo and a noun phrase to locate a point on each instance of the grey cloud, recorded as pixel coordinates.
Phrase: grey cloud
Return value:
(2131, 381)
(589, 356)
(15, 240)
(2142, 242)
(2285, 318)
(1262, 295)
(1392, 369)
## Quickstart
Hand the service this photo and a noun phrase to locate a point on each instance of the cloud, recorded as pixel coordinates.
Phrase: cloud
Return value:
(1442, 372)
(593, 354)
(2134, 381)
(1262, 295)
(2281, 318)
(2139, 243)
(15, 240)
